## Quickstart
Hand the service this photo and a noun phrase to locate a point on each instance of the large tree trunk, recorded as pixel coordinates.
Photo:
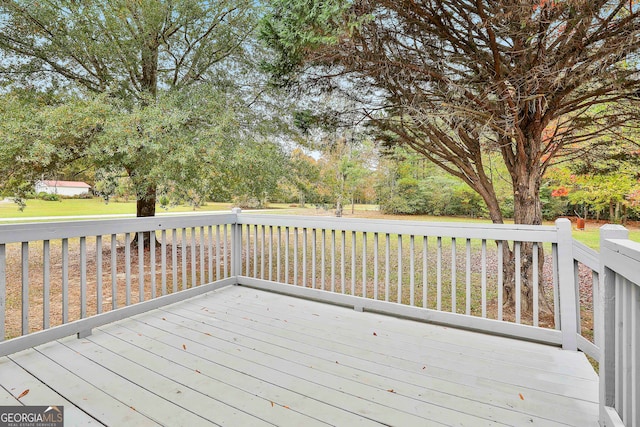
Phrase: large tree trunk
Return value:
(146, 207)
(527, 210)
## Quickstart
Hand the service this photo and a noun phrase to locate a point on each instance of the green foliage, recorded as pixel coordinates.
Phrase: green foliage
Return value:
(291, 28)
(48, 197)
(412, 185)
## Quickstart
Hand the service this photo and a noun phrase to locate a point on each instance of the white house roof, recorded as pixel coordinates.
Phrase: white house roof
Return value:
(72, 184)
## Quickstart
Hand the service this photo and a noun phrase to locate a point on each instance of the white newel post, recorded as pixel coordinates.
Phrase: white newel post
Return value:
(236, 246)
(607, 322)
(567, 286)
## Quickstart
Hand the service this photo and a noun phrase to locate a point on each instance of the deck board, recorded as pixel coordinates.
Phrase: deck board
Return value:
(239, 356)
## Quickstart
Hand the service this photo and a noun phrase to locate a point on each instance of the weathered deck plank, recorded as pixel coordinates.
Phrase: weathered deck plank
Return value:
(483, 388)
(239, 356)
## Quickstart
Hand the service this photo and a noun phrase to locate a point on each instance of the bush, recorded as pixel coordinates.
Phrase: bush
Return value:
(48, 197)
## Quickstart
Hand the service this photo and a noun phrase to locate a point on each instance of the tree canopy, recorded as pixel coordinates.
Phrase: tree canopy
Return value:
(142, 57)
(455, 79)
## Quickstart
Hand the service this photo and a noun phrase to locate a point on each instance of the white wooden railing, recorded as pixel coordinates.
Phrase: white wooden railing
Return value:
(449, 273)
(620, 365)
(65, 278)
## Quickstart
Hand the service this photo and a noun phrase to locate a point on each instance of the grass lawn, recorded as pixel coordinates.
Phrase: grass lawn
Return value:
(96, 206)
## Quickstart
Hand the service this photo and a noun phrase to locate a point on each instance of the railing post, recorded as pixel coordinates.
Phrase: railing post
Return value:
(566, 286)
(606, 307)
(236, 246)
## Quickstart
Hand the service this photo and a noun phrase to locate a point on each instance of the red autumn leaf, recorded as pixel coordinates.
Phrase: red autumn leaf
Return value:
(23, 394)
(521, 396)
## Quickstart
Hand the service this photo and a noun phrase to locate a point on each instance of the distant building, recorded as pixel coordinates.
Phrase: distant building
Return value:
(63, 188)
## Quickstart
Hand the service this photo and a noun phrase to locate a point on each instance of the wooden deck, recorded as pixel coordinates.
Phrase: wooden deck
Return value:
(243, 357)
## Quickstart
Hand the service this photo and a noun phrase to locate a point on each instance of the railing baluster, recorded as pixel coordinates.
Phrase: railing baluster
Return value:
(314, 244)
(203, 279)
(270, 252)
(342, 260)
(184, 255)
(25, 288)
(353, 262)
(98, 274)
(556, 290)
(375, 266)
(65, 280)
(333, 259)
(218, 243)
(484, 278)
(262, 254)
(3, 290)
(412, 281)
(304, 256)
(364, 265)
(425, 276)
(286, 255)
(174, 259)
(194, 269)
(163, 262)
(247, 262)
(255, 251)
(278, 254)
(152, 262)
(454, 293)
(46, 286)
(536, 291)
(141, 266)
(210, 252)
(114, 272)
(83, 277)
(127, 267)
(399, 269)
(224, 250)
(500, 278)
(387, 264)
(518, 281)
(439, 275)
(468, 280)
(295, 256)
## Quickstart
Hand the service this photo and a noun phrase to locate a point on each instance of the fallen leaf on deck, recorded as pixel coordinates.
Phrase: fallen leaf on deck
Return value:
(375, 335)
(391, 390)
(184, 346)
(521, 396)
(23, 394)
(272, 404)
(164, 318)
(285, 406)
(133, 408)
(337, 362)
(198, 372)
(207, 333)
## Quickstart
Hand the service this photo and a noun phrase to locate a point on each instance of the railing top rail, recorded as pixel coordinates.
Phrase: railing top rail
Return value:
(517, 232)
(623, 256)
(586, 255)
(25, 232)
